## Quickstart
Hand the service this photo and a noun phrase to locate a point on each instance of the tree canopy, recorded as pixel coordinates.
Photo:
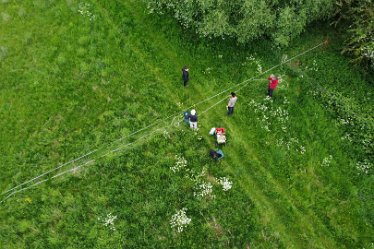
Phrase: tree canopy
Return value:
(245, 20)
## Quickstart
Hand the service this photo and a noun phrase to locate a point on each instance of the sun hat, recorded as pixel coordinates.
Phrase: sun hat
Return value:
(193, 112)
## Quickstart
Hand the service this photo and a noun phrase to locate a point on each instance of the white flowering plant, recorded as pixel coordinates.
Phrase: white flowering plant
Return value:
(85, 9)
(180, 220)
(326, 161)
(108, 221)
(180, 164)
(204, 189)
(225, 183)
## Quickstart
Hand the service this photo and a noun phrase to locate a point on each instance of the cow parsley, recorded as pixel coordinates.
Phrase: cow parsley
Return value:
(326, 161)
(205, 189)
(364, 166)
(166, 134)
(85, 10)
(302, 149)
(180, 220)
(179, 164)
(108, 221)
(226, 183)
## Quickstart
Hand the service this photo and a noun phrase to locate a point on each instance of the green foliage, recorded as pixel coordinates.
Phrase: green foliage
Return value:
(295, 183)
(245, 20)
(359, 125)
(356, 16)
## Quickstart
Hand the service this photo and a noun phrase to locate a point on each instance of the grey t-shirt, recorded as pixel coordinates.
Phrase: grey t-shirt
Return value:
(232, 101)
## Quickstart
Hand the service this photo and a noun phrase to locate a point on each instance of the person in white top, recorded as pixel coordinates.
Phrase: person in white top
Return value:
(193, 120)
(231, 104)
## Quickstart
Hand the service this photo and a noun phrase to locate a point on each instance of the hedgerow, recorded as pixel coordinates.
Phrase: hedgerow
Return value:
(356, 16)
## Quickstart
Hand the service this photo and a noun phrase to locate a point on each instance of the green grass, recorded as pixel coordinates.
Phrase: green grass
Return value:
(70, 84)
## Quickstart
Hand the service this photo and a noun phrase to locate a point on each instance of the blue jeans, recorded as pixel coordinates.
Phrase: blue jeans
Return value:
(231, 110)
(270, 92)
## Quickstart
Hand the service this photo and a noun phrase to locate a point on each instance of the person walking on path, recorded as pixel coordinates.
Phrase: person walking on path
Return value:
(193, 119)
(231, 104)
(273, 83)
(185, 75)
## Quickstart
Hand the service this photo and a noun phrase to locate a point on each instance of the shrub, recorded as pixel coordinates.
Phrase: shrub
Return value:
(357, 17)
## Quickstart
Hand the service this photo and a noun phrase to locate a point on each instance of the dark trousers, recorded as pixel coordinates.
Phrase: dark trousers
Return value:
(185, 82)
(231, 110)
(270, 92)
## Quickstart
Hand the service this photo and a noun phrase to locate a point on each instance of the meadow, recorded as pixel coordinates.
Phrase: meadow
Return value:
(85, 77)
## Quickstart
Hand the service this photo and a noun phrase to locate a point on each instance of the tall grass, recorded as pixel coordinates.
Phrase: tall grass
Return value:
(79, 75)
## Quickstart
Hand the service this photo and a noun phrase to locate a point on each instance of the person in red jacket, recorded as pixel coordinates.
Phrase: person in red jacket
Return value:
(273, 83)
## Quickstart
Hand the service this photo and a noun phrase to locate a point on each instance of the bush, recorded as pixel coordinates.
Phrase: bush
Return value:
(357, 17)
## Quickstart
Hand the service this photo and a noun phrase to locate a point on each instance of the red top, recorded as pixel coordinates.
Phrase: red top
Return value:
(273, 82)
(220, 131)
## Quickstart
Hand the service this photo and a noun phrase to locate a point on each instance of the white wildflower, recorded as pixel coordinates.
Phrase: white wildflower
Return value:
(288, 144)
(284, 58)
(226, 183)
(166, 134)
(179, 164)
(180, 220)
(302, 149)
(85, 10)
(326, 161)
(259, 68)
(364, 166)
(108, 221)
(250, 58)
(208, 70)
(280, 142)
(348, 137)
(268, 98)
(205, 189)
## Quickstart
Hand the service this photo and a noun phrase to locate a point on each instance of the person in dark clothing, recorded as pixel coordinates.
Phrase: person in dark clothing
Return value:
(185, 75)
(193, 120)
(216, 154)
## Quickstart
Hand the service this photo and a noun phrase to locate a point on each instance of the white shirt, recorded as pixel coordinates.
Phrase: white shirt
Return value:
(232, 101)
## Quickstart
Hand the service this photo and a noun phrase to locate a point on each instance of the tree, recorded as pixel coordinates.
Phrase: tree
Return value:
(245, 20)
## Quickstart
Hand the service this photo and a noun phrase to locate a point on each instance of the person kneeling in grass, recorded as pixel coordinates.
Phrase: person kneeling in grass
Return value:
(216, 154)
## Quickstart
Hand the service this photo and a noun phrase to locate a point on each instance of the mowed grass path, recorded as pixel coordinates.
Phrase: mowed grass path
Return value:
(71, 85)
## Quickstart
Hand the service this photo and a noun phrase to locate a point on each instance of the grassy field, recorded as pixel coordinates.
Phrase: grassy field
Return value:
(82, 76)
